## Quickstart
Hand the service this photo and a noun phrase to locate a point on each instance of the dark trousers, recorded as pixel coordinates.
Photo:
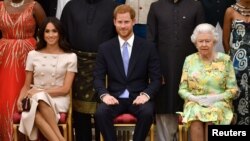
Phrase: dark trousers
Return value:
(83, 127)
(105, 115)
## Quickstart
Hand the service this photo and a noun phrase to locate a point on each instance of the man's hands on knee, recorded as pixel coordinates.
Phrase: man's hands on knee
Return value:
(109, 100)
(141, 99)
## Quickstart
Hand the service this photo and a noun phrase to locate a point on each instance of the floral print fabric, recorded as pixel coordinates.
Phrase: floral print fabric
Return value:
(200, 78)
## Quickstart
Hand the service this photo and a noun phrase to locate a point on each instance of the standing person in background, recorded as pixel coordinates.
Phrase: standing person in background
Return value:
(236, 32)
(214, 14)
(88, 23)
(141, 10)
(208, 85)
(49, 6)
(18, 22)
(53, 7)
(129, 62)
(120, 1)
(171, 31)
(60, 6)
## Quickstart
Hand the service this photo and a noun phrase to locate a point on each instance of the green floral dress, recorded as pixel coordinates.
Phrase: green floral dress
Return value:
(199, 78)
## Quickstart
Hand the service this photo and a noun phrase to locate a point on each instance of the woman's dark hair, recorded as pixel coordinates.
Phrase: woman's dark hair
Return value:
(62, 42)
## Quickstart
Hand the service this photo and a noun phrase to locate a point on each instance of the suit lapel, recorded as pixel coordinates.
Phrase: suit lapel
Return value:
(135, 54)
(116, 52)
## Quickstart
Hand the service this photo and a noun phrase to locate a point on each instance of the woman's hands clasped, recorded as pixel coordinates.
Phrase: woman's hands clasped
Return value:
(206, 100)
(19, 105)
(29, 94)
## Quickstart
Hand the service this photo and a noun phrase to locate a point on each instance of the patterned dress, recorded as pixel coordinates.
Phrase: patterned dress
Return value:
(199, 78)
(240, 55)
(17, 40)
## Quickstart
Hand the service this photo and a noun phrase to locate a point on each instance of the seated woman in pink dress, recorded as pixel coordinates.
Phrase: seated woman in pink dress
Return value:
(50, 70)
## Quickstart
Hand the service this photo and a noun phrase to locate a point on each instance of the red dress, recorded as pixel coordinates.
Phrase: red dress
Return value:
(17, 40)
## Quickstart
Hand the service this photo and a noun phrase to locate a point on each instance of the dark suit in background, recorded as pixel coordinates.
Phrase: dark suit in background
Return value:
(215, 10)
(49, 7)
(88, 23)
(214, 14)
(120, 1)
(171, 31)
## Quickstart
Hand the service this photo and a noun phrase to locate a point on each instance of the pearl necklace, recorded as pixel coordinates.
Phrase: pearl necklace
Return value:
(244, 11)
(17, 4)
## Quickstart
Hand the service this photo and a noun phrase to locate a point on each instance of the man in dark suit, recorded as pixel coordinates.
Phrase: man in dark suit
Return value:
(49, 6)
(215, 10)
(171, 31)
(129, 90)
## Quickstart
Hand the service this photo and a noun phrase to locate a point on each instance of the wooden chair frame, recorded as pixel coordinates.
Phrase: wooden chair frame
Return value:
(183, 129)
(130, 126)
(182, 132)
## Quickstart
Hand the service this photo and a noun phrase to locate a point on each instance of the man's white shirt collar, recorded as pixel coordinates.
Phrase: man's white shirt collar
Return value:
(130, 41)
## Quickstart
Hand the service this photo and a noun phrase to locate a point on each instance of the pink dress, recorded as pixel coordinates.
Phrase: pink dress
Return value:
(49, 70)
(17, 40)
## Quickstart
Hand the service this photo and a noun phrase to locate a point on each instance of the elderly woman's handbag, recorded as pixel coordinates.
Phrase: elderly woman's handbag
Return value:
(26, 104)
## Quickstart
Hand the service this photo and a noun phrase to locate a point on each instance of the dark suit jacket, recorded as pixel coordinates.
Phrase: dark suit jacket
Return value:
(143, 65)
(215, 10)
(171, 31)
(49, 6)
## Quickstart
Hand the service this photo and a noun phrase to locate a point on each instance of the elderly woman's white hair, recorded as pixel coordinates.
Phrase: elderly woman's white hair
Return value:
(205, 28)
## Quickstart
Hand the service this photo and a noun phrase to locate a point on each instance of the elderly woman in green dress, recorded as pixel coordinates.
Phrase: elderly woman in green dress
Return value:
(208, 84)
